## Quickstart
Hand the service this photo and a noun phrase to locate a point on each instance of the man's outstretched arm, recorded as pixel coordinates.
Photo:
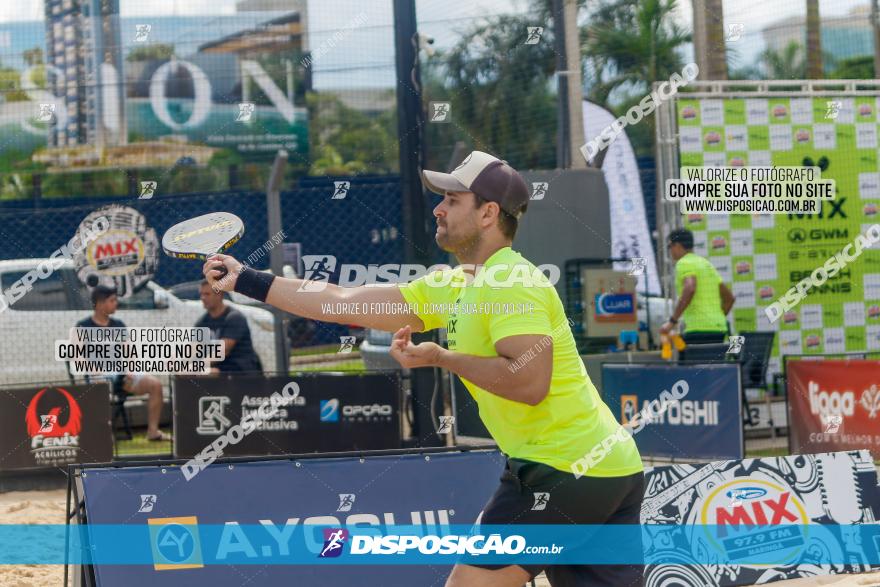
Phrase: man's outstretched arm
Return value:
(341, 305)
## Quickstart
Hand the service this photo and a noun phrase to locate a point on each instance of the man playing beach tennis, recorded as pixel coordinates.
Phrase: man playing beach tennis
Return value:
(510, 343)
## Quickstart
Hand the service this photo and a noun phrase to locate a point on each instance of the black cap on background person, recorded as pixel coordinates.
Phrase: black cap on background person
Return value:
(488, 177)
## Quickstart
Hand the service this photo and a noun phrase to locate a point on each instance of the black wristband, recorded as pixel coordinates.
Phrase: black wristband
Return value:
(254, 284)
(673, 320)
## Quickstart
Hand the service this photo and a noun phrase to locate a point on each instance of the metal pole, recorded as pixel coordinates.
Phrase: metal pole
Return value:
(410, 123)
(276, 256)
(875, 26)
(417, 228)
(575, 94)
(563, 140)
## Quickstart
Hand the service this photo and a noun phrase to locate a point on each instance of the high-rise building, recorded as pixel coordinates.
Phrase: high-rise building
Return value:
(843, 37)
(84, 55)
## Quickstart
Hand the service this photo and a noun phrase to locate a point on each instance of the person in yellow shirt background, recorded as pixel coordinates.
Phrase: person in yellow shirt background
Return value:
(703, 300)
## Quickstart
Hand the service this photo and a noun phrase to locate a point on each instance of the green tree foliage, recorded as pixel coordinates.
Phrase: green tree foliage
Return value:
(159, 51)
(789, 63)
(854, 68)
(344, 140)
(631, 43)
(33, 56)
(501, 91)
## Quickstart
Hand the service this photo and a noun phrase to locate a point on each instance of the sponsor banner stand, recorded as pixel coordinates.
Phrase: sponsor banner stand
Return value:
(48, 426)
(803, 511)
(331, 412)
(706, 423)
(834, 404)
(404, 486)
(697, 520)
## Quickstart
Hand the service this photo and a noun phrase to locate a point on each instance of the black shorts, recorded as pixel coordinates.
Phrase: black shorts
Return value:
(584, 500)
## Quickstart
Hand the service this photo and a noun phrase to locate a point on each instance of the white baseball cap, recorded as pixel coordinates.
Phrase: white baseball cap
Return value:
(485, 175)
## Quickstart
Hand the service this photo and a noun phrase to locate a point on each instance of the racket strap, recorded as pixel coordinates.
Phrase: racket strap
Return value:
(254, 284)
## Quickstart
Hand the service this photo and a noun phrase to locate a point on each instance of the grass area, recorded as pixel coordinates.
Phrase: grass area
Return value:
(324, 349)
(139, 445)
(354, 365)
(766, 452)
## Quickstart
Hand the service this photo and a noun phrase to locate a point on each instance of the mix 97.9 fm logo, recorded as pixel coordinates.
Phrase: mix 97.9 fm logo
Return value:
(751, 521)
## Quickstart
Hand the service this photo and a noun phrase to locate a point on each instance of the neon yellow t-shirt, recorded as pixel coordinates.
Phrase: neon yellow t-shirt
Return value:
(572, 419)
(704, 313)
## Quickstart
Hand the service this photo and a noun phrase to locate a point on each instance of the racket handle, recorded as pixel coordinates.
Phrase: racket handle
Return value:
(222, 269)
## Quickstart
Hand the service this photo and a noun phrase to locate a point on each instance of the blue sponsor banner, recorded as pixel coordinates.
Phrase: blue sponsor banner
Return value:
(428, 490)
(700, 418)
(609, 304)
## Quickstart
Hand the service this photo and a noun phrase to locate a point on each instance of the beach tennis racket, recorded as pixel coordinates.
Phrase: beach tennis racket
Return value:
(203, 236)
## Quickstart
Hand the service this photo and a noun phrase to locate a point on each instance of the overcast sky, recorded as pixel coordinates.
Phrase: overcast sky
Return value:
(367, 44)
(755, 12)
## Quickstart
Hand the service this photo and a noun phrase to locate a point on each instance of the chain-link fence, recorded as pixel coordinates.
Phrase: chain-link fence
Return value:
(364, 227)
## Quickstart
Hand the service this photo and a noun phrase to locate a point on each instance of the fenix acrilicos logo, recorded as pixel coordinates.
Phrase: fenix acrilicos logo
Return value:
(54, 422)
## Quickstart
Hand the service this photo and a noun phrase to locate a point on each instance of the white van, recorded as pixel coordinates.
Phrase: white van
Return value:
(30, 326)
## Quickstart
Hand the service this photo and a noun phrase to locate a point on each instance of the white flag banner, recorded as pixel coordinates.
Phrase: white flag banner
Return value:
(629, 225)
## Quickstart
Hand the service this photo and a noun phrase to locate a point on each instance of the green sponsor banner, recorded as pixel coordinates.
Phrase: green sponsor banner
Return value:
(761, 256)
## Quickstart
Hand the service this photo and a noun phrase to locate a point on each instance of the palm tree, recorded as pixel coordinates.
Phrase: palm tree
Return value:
(786, 64)
(499, 89)
(631, 43)
(716, 54)
(814, 41)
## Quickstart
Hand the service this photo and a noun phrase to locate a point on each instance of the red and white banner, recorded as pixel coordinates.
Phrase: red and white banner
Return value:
(834, 405)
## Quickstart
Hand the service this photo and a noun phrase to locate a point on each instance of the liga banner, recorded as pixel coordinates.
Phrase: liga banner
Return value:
(718, 510)
(762, 256)
(835, 405)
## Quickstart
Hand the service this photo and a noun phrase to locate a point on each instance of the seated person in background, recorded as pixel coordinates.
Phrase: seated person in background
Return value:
(230, 326)
(105, 302)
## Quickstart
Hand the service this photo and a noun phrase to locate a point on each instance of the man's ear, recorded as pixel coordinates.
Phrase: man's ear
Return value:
(491, 213)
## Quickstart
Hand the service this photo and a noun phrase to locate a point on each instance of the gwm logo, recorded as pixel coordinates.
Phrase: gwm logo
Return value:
(750, 518)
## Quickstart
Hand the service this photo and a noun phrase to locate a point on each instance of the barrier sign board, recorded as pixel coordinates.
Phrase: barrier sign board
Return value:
(331, 412)
(423, 490)
(811, 508)
(53, 426)
(705, 423)
(835, 405)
